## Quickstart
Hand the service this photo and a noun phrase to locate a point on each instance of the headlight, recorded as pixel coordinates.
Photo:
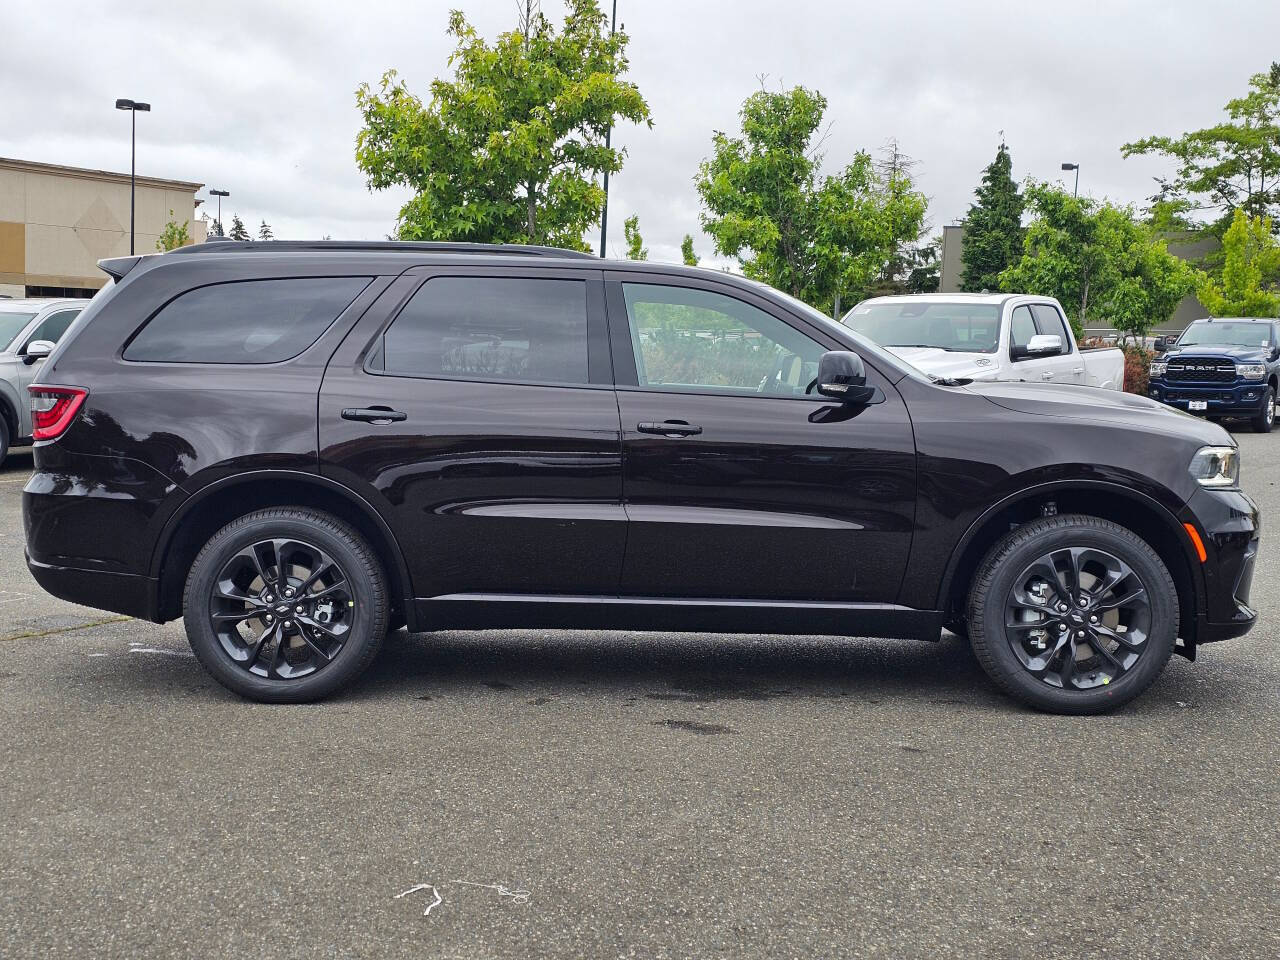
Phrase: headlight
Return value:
(1252, 371)
(1216, 466)
(1158, 367)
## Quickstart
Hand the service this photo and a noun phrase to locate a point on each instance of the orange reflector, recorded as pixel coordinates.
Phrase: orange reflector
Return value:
(1196, 541)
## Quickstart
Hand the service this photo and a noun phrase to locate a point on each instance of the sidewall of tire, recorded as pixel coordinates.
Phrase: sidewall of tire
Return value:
(1009, 558)
(363, 574)
(1260, 423)
(5, 439)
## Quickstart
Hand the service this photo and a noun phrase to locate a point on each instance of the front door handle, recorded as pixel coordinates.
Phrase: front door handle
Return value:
(670, 428)
(374, 414)
(1047, 375)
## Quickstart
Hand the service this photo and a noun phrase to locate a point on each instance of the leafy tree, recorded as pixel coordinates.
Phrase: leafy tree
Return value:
(821, 239)
(993, 227)
(264, 231)
(173, 236)
(686, 251)
(511, 149)
(238, 231)
(636, 250)
(1099, 261)
(1249, 252)
(1232, 165)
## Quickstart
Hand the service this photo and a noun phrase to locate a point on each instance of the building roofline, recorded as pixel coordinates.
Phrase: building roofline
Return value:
(88, 173)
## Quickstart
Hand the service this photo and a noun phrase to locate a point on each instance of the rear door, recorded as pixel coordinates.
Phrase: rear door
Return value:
(474, 408)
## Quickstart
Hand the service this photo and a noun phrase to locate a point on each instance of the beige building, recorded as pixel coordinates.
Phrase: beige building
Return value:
(57, 222)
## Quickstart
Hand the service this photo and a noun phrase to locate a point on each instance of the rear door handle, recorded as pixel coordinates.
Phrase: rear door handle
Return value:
(374, 414)
(670, 428)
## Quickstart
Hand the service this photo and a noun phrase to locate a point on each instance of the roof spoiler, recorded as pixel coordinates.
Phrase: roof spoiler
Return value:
(117, 267)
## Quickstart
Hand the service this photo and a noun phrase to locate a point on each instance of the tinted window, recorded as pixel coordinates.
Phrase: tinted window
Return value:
(52, 327)
(253, 321)
(491, 328)
(1050, 322)
(1022, 329)
(694, 339)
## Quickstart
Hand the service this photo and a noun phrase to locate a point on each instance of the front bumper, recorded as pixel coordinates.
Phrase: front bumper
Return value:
(1242, 399)
(1229, 525)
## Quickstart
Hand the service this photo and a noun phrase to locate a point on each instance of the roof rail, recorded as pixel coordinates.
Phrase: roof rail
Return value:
(374, 246)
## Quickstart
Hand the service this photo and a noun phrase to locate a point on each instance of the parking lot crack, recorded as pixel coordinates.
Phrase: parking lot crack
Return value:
(31, 634)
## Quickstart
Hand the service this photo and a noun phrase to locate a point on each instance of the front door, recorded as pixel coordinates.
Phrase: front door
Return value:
(474, 409)
(738, 483)
(1044, 368)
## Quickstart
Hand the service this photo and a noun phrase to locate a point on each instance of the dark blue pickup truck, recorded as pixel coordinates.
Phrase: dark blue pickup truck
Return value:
(1222, 368)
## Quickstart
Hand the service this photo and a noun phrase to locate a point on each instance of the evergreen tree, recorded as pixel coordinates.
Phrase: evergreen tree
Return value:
(238, 232)
(264, 232)
(686, 251)
(993, 228)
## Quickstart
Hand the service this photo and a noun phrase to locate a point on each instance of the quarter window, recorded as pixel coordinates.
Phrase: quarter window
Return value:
(250, 321)
(491, 328)
(696, 340)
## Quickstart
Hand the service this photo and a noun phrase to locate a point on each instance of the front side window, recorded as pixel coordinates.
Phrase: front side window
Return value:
(1022, 328)
(249, 321)
(1050, 322)
(52, 327)
(696, 340)
(490, 328)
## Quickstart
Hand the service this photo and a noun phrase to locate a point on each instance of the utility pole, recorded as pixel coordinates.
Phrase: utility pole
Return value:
(608, 137)
(133, 106)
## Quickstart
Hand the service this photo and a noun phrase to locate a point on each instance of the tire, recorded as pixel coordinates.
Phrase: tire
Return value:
(1086, 681)
(1263, 422)
(4, 439)
(266, 657)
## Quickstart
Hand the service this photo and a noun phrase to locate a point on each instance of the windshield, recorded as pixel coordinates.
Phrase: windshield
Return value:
(11, 324)
(954, 327)
(1219, 334)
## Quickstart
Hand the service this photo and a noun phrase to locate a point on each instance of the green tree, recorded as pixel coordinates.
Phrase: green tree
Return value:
(636, 250)
(1250, 252)
(238, 231)
(686, 251)
(1099, 261)
(993, 226)
(510, 149)
(173, 236)
(265, 232)
(823, 239)
(1231, 165)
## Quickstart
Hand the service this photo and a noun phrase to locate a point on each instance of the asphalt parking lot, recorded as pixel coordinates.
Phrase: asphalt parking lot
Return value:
(565, 794)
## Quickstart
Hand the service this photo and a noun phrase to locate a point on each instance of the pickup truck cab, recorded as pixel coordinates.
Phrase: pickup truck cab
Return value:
(29, 330)
(979, 336)
(1222, 368)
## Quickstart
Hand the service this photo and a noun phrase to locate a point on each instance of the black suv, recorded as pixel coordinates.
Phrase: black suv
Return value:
(299, 446)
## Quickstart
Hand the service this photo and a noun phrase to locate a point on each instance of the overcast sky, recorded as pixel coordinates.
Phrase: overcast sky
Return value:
(258, 97)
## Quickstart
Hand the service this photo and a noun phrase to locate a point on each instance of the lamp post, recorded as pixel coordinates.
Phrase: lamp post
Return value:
(608, 135)
(219, 194)
(1076, 167)
(133, 106)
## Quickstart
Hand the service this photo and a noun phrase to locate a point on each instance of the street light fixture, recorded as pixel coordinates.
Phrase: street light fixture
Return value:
(219, 194)
(1076, 167)
(133, 106)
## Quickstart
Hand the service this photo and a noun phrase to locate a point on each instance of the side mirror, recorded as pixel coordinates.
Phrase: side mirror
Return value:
(841, 376)
(1041, 345)
(1275, 354)
(1160, 345)
(37, 350)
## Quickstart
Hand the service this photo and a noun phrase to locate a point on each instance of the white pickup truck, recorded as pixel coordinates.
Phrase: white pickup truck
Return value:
(981, 336)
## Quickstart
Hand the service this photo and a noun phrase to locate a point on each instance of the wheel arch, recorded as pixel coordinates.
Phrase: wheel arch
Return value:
(212, 507)
(1131, 509)
(9, 413)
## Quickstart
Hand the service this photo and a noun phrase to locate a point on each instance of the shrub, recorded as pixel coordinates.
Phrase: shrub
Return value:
(1137, 369)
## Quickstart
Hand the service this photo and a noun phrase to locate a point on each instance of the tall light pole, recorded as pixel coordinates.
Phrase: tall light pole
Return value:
(608, 136)
(219, 194)
(1075, 192)
(133, 106)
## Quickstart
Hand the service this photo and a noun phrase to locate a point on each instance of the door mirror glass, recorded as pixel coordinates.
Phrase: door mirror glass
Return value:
(37, 350)
(841, 376)
(1041, 345)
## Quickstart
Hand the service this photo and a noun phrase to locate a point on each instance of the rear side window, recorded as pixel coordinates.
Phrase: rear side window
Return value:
(250, 321)
(490, 328)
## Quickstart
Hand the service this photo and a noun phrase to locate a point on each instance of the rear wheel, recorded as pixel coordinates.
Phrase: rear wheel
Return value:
(1266, 417)
(285, 605)
(1073, 614)
(4, 438)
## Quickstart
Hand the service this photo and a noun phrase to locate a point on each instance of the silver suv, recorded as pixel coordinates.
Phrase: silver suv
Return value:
(29, 330)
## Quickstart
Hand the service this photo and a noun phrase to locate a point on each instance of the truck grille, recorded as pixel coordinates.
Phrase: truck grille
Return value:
(1201, 371)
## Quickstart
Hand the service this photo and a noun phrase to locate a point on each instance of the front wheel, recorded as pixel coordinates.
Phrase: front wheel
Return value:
(285, 605)
(1073, 614)
(4, 439)
(1266, 417)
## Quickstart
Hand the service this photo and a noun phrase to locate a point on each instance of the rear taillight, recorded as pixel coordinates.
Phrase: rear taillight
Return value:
(53, 409)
